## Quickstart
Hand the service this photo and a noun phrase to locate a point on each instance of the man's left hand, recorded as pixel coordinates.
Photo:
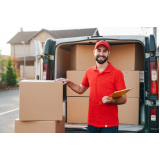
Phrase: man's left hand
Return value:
(107, 99)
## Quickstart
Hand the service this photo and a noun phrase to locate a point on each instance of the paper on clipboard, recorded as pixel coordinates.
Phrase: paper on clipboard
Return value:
(117, 94)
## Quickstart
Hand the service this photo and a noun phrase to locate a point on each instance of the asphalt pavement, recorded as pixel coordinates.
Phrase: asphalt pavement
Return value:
(9, 110)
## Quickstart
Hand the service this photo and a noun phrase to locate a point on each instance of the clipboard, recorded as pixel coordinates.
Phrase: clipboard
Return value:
(117, 94)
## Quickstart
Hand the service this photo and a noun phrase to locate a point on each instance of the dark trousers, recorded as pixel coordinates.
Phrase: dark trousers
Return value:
(92, 129)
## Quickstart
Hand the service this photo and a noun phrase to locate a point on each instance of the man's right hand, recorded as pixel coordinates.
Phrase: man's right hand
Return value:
(65, 81)
(76, 88)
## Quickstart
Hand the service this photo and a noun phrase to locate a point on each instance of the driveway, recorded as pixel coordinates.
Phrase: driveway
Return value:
(9, 110)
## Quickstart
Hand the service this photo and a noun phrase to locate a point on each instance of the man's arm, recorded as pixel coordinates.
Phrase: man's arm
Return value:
(77, 88)
(80, 89)
(118, 101)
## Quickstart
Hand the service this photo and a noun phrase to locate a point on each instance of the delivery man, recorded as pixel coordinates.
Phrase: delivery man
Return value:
(103, 80)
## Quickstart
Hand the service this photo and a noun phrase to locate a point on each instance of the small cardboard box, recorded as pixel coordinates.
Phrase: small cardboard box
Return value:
(40, 126)
(76, 77)
(129, 113)
(40, 100)
(77, 109)
(127, 57)
(82, 57)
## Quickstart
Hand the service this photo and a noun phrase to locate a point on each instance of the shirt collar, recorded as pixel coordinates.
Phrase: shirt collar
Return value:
(108, 69)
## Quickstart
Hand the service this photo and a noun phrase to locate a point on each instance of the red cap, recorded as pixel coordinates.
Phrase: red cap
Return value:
(102, 43)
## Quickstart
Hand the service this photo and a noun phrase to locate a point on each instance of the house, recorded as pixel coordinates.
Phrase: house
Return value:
(20, 50)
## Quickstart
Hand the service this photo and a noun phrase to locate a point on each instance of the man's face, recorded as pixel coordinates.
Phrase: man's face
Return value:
(101, 54)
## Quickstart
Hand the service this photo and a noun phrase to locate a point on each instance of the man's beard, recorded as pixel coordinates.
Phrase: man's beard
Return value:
(101, 61)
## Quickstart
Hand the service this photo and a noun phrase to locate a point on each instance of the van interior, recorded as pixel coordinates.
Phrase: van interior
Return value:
(63, 63)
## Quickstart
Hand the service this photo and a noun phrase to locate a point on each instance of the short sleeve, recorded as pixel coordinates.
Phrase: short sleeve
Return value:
(85, 82)
(119, 81)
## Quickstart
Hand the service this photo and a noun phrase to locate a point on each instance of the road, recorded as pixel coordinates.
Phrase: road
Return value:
(9, 110)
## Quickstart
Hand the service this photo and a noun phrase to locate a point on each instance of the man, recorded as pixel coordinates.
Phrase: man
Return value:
(103, 80)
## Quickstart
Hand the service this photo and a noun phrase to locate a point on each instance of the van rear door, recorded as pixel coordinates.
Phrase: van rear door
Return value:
(49, 59)
(151, 86)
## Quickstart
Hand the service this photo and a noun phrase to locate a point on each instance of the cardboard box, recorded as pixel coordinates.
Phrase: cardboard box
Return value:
(82, 57)
(40, 126)
(40, 100)
(127, 57)
(129, 113)
(76, 77)
(123, 57)
(77, 109)
(132, 80)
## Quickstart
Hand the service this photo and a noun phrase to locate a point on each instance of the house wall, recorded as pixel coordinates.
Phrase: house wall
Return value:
(43, 36)
(18, 50)
(29, 72)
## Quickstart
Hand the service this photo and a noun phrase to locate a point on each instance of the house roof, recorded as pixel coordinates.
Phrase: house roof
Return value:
(27, 36)
(21, 36)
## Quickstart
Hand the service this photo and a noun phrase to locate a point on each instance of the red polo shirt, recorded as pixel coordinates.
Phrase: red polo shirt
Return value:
(103, 84)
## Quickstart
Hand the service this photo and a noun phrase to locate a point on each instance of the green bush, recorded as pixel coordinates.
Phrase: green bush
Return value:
(2, 71)
(11, 76)
(3, 77)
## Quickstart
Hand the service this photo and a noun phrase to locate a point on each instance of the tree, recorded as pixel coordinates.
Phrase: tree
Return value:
(2, 71)
(14, 61)
(11, 76)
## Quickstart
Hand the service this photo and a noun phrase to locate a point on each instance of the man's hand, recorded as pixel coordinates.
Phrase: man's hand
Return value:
(65, 81)
(80, 89)
(118, 101)
(107, 99)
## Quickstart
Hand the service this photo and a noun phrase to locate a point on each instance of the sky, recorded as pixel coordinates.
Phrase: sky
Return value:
(111, 18)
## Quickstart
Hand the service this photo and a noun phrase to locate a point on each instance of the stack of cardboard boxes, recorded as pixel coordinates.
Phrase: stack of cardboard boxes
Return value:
(40, 107)
(77, 104)
(128, 58)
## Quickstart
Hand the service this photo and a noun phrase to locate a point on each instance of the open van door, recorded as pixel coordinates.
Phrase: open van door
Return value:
(49, 60)
(36, 49)
(151, 86)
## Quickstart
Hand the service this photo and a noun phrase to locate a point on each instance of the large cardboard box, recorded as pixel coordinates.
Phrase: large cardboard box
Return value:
(123, 57)
(40, 100)
(76, 77)
(127, 57)
(77, 109)
(132, 80)
(40, 126)
(129, 113)
(82, 57)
